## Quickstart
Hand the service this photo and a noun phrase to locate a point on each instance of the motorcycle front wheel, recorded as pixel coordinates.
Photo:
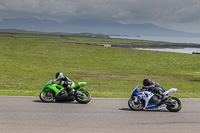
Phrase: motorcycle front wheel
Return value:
(175, 105)
(84, 98)
(137, 106)
(46, 96)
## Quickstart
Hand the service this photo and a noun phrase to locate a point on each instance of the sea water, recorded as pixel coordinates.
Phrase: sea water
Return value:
(167, 39)
(185, 50)
(163, 38)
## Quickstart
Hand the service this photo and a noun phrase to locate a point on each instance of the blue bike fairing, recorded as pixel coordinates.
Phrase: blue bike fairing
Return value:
(151, 106)
(135, 91)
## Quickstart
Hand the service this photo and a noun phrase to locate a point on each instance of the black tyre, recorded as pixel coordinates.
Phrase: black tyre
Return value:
(175, 106)
(46, 96)
(137, 106)
(85, 98)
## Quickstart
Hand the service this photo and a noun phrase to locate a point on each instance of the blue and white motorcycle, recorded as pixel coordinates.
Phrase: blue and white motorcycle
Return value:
(144, 99)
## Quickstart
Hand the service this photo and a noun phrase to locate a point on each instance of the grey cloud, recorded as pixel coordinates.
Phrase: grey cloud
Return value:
(126, 11)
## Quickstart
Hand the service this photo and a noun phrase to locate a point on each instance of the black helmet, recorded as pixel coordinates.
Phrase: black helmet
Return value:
(59, 74)
(146, 82)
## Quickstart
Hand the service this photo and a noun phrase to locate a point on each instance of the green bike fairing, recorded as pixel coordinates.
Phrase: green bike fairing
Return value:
(80, 84)
(53, 87)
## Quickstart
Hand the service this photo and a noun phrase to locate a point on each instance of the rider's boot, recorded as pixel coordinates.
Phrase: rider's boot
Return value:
(71, 90)
(164, 97)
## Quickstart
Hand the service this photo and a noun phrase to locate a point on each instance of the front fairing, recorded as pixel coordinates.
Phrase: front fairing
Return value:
(145, 95)
(55, 87)
(136, 91)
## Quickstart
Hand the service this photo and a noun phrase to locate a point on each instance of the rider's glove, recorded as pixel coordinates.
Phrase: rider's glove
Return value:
(54, 81)
(155, 89)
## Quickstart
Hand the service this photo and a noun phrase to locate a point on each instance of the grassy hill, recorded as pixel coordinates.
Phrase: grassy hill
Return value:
(28, 62)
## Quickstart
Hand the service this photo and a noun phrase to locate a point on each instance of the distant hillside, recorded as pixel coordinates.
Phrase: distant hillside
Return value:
(91, 26)
(53, 33)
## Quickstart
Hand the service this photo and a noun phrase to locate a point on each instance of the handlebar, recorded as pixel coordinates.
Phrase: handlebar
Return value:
(51, 81)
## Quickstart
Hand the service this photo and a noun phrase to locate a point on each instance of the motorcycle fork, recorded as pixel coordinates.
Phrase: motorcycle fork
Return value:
(48, 93)
(136, 99)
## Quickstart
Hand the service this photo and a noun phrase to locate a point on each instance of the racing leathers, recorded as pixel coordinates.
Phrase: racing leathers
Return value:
(65, 82)
(156, 88)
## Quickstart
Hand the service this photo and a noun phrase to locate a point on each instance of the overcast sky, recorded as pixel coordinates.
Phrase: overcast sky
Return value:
(181, 15)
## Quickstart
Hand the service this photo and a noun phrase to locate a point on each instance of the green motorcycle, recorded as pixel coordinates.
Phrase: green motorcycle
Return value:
(53, 91)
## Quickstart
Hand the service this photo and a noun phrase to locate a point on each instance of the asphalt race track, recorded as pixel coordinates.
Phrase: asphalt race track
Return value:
(101, 115)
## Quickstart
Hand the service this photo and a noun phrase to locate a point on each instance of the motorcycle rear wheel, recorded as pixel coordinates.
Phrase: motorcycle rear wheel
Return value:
(46, 96)
(176, 107)
(83, 99)
(137, 106)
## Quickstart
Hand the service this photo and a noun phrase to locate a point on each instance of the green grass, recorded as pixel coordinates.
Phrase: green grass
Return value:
(28, 61)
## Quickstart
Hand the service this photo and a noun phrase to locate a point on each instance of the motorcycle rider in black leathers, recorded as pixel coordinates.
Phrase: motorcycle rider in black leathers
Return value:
(155, 87)
(64, 81)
